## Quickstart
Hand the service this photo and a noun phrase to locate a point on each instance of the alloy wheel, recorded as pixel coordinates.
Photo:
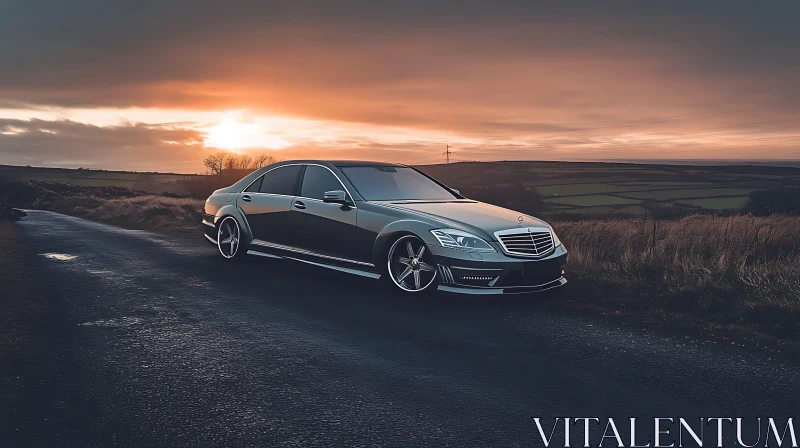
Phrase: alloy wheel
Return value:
(411, 265)
(228, 237)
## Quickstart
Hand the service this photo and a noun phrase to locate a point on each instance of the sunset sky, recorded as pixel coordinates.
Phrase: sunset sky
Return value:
(156, 85)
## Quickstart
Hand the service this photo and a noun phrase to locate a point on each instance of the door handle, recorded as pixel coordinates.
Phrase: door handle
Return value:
(299, 204)
(246, 198)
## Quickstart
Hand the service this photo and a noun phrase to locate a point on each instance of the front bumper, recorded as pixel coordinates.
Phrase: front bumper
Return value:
(498, 273)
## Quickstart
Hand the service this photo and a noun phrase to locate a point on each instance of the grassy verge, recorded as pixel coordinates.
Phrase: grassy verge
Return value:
(737, 276)
(148, 212)
(124, 207)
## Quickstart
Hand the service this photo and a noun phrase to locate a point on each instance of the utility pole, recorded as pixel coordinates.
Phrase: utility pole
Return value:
(447, 152)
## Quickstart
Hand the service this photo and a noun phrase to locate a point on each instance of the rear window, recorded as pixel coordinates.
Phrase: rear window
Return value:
(255, 187)
(280, 180)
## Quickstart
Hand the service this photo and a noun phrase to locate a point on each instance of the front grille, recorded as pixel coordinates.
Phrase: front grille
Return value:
(527, 241)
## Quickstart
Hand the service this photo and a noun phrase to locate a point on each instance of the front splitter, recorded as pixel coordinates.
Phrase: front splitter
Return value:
(504, 291)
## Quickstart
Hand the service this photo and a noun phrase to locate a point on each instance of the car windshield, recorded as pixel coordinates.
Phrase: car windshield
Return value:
(390, 183)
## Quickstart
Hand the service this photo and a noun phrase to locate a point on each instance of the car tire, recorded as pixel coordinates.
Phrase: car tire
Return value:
(230, 239)
(410, 265)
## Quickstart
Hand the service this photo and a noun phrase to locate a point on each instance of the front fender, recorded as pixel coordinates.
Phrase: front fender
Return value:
(398, 228)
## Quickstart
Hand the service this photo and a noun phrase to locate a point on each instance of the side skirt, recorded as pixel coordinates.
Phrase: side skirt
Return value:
(324, 265)
(281, 247)
(262, 254)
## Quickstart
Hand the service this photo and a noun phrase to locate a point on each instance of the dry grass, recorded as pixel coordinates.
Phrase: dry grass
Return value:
(121, 206)
(149, 212)
(738, 272)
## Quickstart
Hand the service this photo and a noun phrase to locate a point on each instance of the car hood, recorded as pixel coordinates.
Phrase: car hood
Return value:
(468, 215)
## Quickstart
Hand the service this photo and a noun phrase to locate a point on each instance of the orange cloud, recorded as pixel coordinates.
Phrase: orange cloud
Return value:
(510, 81)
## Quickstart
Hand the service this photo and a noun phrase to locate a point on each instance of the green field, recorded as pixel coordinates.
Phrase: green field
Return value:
(613, 188)
(595, 188)
(580, 179)
(604, 210)
(592, 200)
(703, 192)
(717, 203)
(153, 182)
(665, 184)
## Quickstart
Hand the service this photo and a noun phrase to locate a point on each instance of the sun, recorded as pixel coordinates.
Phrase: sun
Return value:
(229, 134)
(235, 136)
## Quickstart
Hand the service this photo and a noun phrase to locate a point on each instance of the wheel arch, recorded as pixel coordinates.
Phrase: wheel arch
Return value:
(236, 213)
(392, 232)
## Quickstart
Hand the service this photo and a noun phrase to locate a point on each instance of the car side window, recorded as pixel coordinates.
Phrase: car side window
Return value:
(317, 180)
(280, 180)
(255, 187)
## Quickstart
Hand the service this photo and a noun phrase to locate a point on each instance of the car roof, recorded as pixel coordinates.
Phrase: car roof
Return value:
(344, 163)
(337, 163)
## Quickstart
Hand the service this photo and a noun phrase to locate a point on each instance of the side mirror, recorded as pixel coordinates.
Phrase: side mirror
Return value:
(455, 191)
(335, 197)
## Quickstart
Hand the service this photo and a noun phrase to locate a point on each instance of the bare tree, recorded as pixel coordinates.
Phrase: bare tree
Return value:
(215, 163)
(263, 160)
(238, 162)
(245, 162)
(224, 161)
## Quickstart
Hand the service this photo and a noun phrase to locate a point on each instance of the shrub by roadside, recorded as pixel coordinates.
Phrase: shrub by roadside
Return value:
(149, 212)
(8, 213)
(739, 273)
(120, 206)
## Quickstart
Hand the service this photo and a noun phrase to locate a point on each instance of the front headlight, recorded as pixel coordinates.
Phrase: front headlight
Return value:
(456, 239)
(556, 241)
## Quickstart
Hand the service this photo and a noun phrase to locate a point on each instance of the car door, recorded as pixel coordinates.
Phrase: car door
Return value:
(267, 202)
(326, 229)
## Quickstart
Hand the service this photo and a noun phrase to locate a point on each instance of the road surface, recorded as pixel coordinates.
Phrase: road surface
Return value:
(151, 340)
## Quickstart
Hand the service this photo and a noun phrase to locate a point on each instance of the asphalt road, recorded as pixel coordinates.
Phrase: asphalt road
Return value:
(152, 340)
